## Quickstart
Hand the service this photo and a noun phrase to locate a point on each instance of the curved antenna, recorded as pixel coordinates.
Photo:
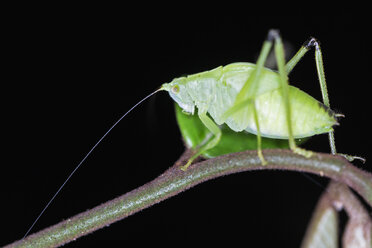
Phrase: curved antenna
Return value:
(85, 157)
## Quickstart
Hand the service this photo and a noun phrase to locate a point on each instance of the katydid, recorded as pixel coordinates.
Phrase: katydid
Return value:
(248, 97)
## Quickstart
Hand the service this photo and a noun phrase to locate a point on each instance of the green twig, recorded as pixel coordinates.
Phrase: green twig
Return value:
(174, 181)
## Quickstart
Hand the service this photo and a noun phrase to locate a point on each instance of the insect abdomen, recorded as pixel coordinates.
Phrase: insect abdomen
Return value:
(308, 116)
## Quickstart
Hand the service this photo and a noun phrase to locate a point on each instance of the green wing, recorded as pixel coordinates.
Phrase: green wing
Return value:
(195, 133)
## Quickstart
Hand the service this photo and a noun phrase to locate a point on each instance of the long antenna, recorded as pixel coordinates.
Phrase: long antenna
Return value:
(82, 161)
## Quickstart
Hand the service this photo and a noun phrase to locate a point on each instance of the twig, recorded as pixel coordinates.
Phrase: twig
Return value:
(174, 181)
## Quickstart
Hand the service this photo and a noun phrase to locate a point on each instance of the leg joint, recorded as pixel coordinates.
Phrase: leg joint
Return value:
(312, 42)
(273, 34)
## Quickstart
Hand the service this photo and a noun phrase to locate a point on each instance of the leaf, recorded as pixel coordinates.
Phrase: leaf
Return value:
(195, 133)
(323, 229)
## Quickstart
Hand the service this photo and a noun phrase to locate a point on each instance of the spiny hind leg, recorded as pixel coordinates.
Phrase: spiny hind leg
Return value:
(312, 42)
(323, 86)
(307, 45)
(214, 129)
(279, 54)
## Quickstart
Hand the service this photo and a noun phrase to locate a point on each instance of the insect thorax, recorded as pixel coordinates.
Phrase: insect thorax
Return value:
(215, 91)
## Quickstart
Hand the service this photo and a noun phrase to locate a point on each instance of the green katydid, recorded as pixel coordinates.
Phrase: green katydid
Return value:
(249, 97)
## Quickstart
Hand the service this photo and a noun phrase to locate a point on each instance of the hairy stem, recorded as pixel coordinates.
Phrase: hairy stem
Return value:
(174, 181)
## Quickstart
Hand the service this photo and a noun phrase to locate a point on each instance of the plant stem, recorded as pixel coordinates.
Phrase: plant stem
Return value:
(174, 181)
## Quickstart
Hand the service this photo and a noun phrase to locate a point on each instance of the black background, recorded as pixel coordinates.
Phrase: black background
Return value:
(73, 73)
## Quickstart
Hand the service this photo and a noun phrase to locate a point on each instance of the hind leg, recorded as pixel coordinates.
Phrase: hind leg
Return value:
(214, 129)
(312, 42)
(244, 104)
(279, 54)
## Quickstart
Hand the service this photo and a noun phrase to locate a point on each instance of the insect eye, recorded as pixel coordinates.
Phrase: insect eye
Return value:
(175, 89)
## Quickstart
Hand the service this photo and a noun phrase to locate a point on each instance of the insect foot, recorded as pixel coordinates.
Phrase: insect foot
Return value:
(351, 158)
(302, 152)
(262, 158)
(184, 168)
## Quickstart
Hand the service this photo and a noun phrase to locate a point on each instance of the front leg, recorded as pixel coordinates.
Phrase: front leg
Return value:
(214, 129)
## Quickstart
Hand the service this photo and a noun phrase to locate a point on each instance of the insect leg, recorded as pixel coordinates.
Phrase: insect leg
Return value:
(279, 54)
(214, 129)
(249, 88)
(259, 143)
(244, 102)
(298, 56)
(312, 42)
(323, 87)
